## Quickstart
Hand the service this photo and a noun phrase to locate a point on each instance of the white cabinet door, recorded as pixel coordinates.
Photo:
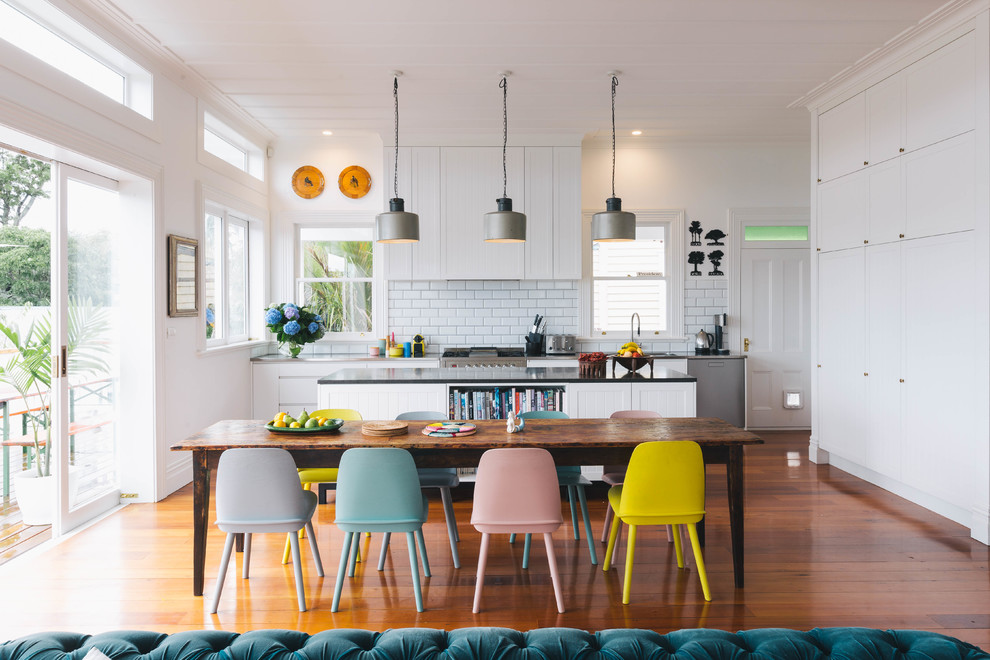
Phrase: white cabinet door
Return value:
(940, 94)
(842, 146)
(940, 188)
(264, 390)
(886, 207)
(885, 113)
(668, 399)
(842, 353)
(567, 213)
(884, 349)
(297, 386)
(939, 435)
(597, 400)
(843, 212)
(384, 401)
(471, 181)
(539, 211)
(419, 186)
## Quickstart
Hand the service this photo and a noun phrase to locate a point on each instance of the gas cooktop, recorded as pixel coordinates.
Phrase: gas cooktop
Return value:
(482, 352)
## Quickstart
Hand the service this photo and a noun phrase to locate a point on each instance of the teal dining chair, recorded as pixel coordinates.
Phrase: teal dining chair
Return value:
(378, 490)
(570, 476)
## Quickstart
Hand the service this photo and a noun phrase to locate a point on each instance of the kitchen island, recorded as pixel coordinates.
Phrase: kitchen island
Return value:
(384, 393)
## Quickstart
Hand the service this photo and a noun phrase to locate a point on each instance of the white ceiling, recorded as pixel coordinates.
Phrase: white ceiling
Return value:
(691, 69)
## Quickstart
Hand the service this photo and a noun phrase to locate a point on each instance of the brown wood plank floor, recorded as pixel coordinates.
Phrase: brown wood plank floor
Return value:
(822, 549)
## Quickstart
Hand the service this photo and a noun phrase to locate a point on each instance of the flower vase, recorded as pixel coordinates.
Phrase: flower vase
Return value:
(290, 349)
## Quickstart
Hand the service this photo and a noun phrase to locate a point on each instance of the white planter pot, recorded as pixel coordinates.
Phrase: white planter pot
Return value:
(36, 496)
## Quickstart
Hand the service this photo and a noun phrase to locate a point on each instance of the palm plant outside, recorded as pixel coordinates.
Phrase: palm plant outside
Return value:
(344, 304)
(29, 368)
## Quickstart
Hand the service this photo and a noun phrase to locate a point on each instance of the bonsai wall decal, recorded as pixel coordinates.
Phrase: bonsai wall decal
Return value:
(696, 258)
(715, 256)
(695, 229)
(715, 236)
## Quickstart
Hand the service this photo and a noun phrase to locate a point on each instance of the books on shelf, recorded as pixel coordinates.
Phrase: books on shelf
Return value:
(497, 402)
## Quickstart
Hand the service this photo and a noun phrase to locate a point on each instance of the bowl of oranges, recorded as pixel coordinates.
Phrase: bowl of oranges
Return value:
(305, 423)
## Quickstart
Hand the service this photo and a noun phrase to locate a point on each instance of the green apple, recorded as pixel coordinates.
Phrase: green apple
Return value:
(312, 423)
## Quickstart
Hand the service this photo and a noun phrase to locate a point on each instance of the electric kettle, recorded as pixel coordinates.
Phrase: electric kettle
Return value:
(703, 342)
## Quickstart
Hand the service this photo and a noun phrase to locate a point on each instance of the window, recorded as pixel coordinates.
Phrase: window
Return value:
(225, 277)
(336, 277)
(41, 30)
(640, 277)
(231, 147)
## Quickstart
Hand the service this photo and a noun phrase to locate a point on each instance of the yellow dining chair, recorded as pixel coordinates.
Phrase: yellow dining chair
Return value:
(310, 476)
(665, 485)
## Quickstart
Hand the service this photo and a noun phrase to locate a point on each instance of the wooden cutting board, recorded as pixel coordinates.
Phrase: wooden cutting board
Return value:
(384, 429)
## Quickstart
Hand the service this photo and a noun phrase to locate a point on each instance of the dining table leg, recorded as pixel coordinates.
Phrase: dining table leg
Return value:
(201, 507)
(734, 478)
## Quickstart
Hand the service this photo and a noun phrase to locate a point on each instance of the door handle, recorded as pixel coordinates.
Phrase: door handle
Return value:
(746, 344)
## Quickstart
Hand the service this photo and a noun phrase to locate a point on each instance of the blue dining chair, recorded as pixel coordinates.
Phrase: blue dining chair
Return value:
(378, 490)
(570, 476)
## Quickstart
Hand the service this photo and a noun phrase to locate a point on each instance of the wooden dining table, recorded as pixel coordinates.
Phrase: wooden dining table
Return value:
(569, 441)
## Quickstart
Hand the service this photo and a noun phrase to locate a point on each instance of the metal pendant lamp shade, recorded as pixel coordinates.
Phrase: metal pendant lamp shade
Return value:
(613, 224)
(397, 225)
(504, 225)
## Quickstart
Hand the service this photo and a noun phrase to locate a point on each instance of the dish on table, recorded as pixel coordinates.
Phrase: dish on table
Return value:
(449, 429)
(332, 426)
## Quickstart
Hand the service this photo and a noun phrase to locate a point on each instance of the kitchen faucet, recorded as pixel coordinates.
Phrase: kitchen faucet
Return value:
(635, 315)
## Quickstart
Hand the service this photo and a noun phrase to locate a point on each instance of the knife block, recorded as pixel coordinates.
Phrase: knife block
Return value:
(534, 344)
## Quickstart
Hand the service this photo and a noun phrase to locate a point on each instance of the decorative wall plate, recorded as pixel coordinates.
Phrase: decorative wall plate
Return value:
(354, 181)
(308, 182)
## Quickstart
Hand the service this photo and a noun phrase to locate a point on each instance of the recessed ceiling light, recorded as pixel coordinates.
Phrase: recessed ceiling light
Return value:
(637, 132)
(328, 132)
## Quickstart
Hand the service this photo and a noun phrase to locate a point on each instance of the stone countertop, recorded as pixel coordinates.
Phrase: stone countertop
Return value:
(508, 376)
(376, 361)
(681, 355)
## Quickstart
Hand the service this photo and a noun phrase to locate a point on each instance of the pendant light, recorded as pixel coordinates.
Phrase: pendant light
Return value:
(396, 225)
(613, 224)
(505, 225)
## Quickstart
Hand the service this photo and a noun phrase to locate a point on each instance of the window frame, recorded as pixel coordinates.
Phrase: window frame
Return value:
(254, 155)
(378, 294)
(675, 252)
(227, 217)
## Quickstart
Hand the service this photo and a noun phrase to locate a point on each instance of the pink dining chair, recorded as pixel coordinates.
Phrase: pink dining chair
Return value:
(614, 475)
(516, 491)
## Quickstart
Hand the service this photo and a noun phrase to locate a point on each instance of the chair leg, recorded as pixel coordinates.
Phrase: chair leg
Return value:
(678, 548)
(338, 586)
(480, 579)
(314, 549)
(422, 552)
(574, 522)
(699, 559)
(386, 537)
(354, 553)
(228, 546)
(583, 501)
(670, 533)
(512, 538)
(630, 552)
(297, 570)
(554, 575)
(247, 556)
(448, 514)
(414, 568)
(608, 523)
(526, 547)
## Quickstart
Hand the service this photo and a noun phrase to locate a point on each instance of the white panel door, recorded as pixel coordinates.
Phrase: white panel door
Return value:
(668, 399)
(940, 188)
(567, 213)
(774, 313)
(885, 111)
(886, 217)
(884, 350)
(843, 212)
(539, 213)
(842, 144)
(939, 377)
(597, 400)
(471, 182)
(940, 94)
(842, 389)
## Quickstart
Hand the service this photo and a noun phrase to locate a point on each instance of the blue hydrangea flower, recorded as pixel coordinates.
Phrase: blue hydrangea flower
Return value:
(291, 328)
(273, 316)
(313, 327)
(318, 318)
(210, 316)
(291, 312)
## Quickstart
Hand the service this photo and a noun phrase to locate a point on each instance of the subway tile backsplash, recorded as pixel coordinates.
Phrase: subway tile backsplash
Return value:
(500, 312)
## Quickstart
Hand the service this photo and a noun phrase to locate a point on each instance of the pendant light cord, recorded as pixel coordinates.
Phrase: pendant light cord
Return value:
(395, 93)
(505, 130)
(615, 83)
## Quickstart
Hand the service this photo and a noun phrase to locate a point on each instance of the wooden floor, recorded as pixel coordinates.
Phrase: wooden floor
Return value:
(822, 549)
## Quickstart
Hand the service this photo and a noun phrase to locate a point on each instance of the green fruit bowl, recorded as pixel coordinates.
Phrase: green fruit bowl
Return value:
(332, 426)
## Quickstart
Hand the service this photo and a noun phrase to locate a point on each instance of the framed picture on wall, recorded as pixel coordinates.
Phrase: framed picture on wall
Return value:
(183, 280)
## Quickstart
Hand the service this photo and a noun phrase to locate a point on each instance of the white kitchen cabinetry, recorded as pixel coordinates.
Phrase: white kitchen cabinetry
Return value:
(419, 186)
(668, 399)
(587, 400)
(885, 119)
(384, 400)
(566, 213)
(842, 139)
(843, 210)
(885, 215)
(940, 188)
(940, 94)
(539, 211)
(884, 323)
(471, 181)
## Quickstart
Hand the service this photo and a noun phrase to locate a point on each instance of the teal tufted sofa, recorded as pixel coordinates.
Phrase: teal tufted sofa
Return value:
(497, 643)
